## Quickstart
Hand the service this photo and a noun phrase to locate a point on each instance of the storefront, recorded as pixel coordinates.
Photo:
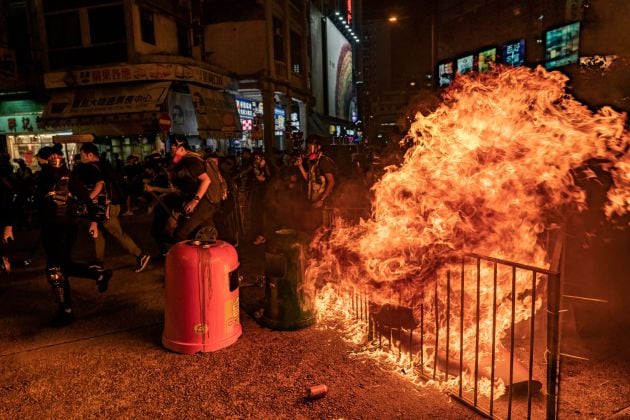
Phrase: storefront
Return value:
(122, 118)
(288, 121)
(20, 126)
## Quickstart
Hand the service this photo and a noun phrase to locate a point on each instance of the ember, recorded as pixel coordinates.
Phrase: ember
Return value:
(490, 172)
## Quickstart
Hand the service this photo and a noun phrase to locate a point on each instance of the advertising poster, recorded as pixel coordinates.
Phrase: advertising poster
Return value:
(513, 53)
(464, 64)
(487, 58)
(445, 73)
(339, 72)
(562, 45)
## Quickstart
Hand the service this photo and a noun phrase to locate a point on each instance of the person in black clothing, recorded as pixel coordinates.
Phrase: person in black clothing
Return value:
(320, 175)
(190, 205)
(260, 182)
(134, 185)
(7, 209)
(58, 196)
(100, 179)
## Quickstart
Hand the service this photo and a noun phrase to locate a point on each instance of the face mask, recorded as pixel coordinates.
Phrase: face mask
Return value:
(56, 162)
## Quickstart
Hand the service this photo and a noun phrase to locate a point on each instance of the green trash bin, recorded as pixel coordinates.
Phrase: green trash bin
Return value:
(288, 306)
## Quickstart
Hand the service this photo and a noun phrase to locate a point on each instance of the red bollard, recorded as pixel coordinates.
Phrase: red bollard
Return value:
(202, 303)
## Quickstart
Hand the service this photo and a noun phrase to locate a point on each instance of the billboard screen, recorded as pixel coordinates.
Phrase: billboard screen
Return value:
(339, 72)
(486, 59)
(445, 73)
(513, 53)
(562, 45)
(464, 64)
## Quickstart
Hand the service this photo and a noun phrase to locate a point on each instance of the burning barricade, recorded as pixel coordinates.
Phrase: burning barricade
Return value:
(463, 233)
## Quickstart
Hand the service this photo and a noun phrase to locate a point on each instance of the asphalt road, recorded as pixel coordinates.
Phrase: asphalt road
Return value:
(110, 361)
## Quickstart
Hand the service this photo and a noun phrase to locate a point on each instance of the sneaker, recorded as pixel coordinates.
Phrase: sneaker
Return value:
(260, 240)
(97, 265)
(103, 281)
(63, 318)
(141, 262)
(128, 213)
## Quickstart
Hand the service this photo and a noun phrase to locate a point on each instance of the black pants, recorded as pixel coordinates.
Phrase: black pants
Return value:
(59, 235)
(203, 216)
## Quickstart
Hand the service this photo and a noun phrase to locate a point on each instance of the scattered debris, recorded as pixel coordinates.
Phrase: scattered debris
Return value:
(317, 391)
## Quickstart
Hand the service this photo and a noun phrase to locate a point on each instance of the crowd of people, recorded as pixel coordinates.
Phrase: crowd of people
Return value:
(190, 195)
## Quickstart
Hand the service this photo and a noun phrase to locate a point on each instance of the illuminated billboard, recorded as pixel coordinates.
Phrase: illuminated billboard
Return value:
(464, 64)
(562, 45)
(513, 53)
(486, 59)
(338, 72)
(445, 73)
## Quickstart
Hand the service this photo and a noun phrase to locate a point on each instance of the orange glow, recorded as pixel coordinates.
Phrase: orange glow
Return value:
(392, 19)
(490, 172)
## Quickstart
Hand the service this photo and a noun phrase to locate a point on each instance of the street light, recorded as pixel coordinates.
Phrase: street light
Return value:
(392, 19)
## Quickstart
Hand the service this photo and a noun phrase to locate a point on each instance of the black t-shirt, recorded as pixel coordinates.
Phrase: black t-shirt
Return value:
(326, 166)
(88, 174)
(186, 174)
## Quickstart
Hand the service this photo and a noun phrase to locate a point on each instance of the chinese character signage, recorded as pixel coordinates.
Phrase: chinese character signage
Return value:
(145, 98)
(19, 124)
(138, 72)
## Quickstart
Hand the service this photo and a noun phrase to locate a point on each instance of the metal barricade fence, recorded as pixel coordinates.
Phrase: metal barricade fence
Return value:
(439, 349)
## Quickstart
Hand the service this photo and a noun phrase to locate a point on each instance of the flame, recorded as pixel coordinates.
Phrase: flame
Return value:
(490, 171)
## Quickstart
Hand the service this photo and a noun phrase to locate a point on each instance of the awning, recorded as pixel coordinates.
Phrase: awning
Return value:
(129, 109)
(217, 115)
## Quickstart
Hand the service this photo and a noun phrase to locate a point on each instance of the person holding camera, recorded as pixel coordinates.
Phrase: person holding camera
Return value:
(319, 174)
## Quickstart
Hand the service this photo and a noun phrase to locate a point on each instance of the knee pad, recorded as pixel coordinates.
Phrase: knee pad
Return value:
(56, 281)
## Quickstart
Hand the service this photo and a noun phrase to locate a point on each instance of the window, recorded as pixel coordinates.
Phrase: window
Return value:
(278, 40)
(296, 53)
(63, 30)
(107, 24)
(147, 29)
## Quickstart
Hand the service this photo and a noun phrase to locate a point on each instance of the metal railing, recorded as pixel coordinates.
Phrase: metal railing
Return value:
(440, 331)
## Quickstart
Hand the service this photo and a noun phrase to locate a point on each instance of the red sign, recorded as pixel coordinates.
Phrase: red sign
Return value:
(165, 122)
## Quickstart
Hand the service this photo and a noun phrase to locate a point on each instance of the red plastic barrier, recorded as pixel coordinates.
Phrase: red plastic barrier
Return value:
(202, 308)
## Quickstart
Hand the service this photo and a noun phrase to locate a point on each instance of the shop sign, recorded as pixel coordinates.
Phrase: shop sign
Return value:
(216, 112)
(279, 115)
(245, 107)
(107, 100)
(137, 72)
(19, 124)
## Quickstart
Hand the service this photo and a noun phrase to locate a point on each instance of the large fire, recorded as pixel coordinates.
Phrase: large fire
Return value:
(492, 171)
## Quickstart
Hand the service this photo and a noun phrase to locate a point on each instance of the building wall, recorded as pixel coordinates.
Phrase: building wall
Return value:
(239, 47)
(165, 34)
